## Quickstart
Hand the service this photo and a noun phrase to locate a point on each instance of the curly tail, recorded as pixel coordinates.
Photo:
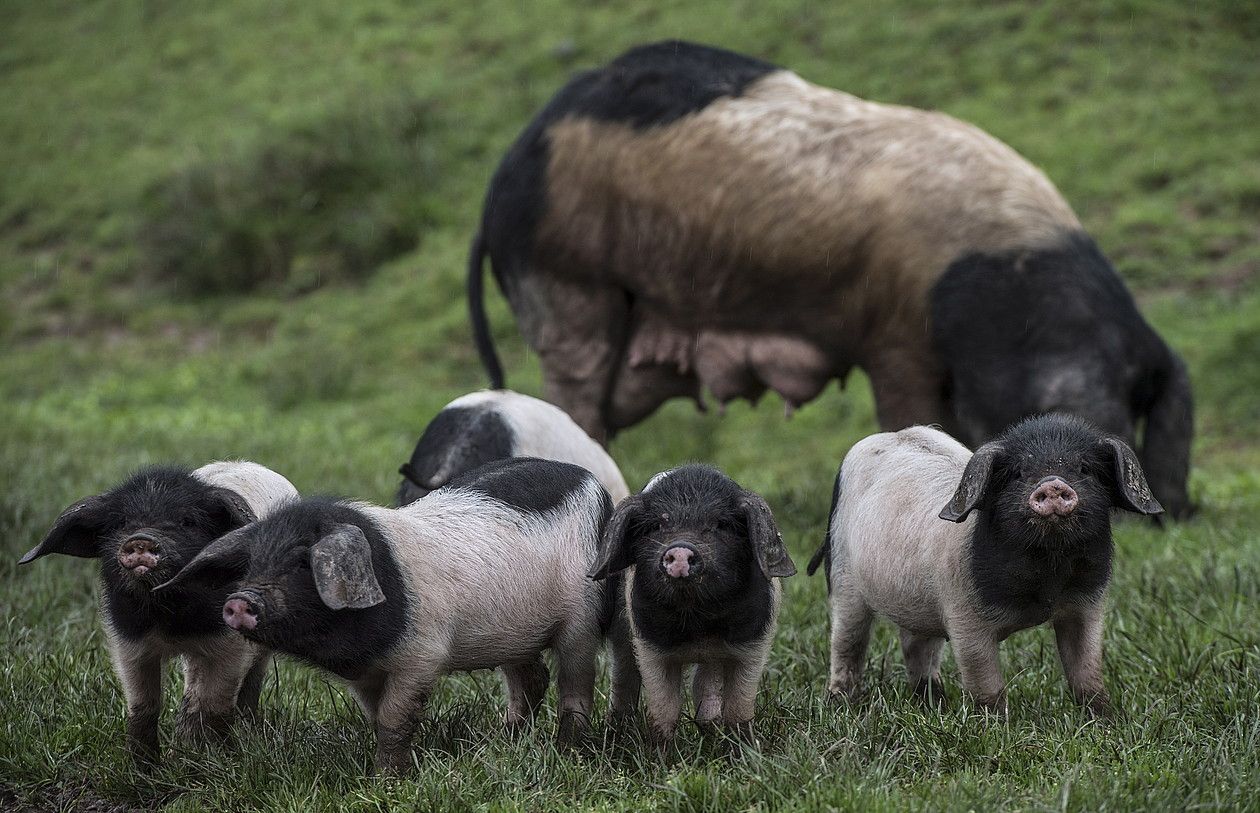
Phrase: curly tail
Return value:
(823, 553)
(477, 314)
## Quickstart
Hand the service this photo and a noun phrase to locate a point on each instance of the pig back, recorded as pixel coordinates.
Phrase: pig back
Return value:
(493, 583)
(262, 489)
(888, 541)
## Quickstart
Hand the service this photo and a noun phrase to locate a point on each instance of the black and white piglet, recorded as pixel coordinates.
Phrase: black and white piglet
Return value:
(144, 531)
(495, 424)
(702, 558)
(487, 572)
(1037, 548)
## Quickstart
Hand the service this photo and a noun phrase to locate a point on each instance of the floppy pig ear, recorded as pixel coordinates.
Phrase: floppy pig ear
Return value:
(229, 554)
(234, 506)
(1131, 486)
(764, 536)
(75, 531)
(974, 483)
(613, 555)
(342, 564)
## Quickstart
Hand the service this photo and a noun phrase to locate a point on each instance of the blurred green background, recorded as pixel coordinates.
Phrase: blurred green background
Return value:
(238, 229)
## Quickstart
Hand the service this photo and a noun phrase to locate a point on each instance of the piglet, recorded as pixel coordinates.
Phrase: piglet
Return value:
(1023, 537)
(487, 572)
(702, 560)
(144, 531)
(494, 424)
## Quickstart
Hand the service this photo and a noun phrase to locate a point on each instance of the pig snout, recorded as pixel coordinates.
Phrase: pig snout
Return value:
(1053, 497)
(240, 611)
(139, 553)
(680, 561)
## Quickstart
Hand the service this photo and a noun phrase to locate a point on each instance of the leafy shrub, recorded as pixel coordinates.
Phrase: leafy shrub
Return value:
(327, 201)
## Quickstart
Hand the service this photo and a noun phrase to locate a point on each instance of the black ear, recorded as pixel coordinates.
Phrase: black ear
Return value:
(764, 536)
(342, 565)
(226, 558)
(1130, 482)
(974, 483)
(75, 532)
(614, 551)
(233, 507)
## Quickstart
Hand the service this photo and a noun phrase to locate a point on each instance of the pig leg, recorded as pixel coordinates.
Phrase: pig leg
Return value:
(851, 621)
(706, 690)
(139, 669)
(976, 650)
(1079, 631)
(575, 654)
(908, 385)
(741, 678)
(662, 679)
(212, 681)
(922, 654)
(526, 685)
(577, 331)
(251, 688)
(626, 682)
(402, 699)
(367, 691)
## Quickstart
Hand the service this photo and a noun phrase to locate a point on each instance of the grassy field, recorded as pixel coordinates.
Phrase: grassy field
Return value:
(238, 230)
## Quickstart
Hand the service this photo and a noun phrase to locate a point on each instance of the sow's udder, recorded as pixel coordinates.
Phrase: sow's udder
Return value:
(736, 365)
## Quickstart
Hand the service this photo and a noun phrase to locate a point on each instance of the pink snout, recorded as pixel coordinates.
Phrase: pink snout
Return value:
(239, 614)
(139, 554)
(1053, 498)
(680, 561)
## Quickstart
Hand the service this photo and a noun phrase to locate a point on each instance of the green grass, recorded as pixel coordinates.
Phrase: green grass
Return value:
(1144, 113)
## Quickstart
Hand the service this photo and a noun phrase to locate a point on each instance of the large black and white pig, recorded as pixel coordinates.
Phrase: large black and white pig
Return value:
(144, 531)
(494, 424)
(702, 560)
(487, 572)
(685, 219)
(1027, 540)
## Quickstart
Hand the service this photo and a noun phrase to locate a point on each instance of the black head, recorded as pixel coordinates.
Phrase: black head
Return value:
(147, 528)
(293, 574)
(1052, 478)
(693, 535)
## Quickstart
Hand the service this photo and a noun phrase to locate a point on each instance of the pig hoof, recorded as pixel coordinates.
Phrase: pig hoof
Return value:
(194, 728)
(662, 739)
(393, 763)
(993, 704)
(142, 736)
(572, 729)
(931, 693)
(1100, 708)
(742, 732)
(845, 692)
(143, 751)
(708, 727)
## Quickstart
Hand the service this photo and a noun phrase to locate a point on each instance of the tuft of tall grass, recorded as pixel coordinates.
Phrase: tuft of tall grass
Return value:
(327, 200)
